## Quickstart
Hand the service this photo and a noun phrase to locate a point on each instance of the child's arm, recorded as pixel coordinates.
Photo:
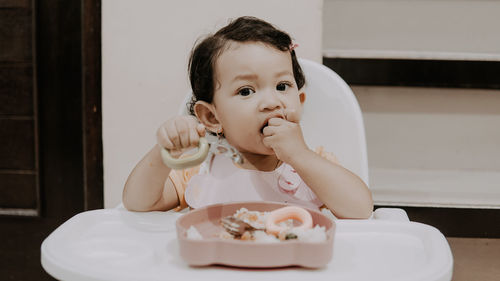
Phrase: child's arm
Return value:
(343, 192)
(148, 187)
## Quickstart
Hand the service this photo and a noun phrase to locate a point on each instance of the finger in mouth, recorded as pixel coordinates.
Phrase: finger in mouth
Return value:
(262, 129)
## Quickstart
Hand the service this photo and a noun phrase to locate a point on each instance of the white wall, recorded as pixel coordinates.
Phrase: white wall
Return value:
(454, 29)
(145, 48)
(432, 147)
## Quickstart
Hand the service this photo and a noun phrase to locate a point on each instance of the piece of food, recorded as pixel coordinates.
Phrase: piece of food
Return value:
(193, 233)
(281, 223)
(274, 219)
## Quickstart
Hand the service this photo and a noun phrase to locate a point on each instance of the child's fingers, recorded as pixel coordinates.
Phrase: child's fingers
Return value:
(180, 132)
(194, 138)
(269, 142)
(163, 139)
(292, 115)
(196, 130)
(274, 122)
(269, 130)
(183, 131)
(172, 134)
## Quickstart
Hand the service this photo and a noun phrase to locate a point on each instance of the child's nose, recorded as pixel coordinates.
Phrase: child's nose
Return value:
(270, 101)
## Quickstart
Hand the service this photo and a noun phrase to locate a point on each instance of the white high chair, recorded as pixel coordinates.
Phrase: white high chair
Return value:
(115, 244)
(332, 118)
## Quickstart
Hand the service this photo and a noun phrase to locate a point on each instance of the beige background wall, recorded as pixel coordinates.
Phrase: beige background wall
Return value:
(454, 29)
(426, 146)
(144, 55)
(430, 146)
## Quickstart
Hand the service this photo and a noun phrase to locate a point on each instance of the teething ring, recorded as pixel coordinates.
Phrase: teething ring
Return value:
(285, 213)
(189, 161)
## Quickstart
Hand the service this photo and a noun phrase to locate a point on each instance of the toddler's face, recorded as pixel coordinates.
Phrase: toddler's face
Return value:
(254, 82)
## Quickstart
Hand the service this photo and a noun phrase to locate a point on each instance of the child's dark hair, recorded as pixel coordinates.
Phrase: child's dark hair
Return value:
(243, 29)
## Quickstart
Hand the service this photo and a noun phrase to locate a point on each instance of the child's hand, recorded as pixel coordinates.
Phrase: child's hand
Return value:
(284, 136)
(180, 133)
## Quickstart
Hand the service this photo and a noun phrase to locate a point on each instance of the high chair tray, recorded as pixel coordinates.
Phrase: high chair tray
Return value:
(115, 244)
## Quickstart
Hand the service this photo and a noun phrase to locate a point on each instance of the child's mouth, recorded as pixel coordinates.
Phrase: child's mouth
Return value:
(267, 122)
(262, 129)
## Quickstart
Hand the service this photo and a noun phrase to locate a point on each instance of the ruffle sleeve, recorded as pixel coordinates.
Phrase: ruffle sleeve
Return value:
(180, 179)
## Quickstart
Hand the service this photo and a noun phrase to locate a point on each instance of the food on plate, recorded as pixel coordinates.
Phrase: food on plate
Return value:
(274, 219)
(287, 223)
(193, 233)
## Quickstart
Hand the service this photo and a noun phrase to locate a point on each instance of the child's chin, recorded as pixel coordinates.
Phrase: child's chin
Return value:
(261, 150)
(267, 151)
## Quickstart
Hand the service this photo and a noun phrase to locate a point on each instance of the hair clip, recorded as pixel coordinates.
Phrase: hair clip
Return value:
(293, 46)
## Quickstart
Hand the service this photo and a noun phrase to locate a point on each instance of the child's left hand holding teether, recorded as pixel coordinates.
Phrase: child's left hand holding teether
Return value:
(284, 136)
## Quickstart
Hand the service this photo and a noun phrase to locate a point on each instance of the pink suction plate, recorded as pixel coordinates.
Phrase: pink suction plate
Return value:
(214, 250)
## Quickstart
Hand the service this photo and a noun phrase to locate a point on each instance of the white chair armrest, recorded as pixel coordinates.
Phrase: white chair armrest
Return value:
(392, 214)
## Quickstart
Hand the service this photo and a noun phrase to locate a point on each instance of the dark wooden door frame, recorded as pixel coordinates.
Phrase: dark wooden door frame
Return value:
(67, 79)
(69, 91)
(91, 107)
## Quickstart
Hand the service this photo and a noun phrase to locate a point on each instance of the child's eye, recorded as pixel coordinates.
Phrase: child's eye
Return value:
(245, 92)
(283, 86)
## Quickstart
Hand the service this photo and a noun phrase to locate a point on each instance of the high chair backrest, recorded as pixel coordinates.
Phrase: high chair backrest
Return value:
(332, 117)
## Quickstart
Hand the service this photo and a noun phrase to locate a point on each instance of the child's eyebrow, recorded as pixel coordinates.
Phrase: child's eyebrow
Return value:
(283, 73)
(252, 77)
(245, 77)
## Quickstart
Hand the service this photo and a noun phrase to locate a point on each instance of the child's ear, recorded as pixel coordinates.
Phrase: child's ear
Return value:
(302, 97)
(205, 112)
